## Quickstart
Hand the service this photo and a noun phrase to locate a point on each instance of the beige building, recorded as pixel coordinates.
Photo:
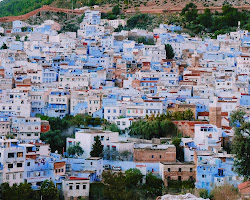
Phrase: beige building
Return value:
(187, 127)
(177, 171)
(154, 153)
(215, 113)
(182, 108)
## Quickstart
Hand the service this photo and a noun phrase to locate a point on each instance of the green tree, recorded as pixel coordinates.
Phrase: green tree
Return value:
(140, 21)
(97, 148)
(169, 51)
(116, 10)
(25, 191)
(97, 121)
(119, 28)
(22, 191)
(203, 193)
(114, 128)
(75, 150)
(237, 117)
(49, 191)
(153, 186)
(188, 114)
(133, 177)
(168, 128)
(126, 155)
(178, 115)
(17, 38)
(179, 151)
(190, 12)
(56, 123)
(206, 18)
(26, 38)
(4, 46)
(241, 143)
(115, 186)
(78, 120)
(56, 140)
(96, 191)
(231, 15)
(6, 192)
(159, 126)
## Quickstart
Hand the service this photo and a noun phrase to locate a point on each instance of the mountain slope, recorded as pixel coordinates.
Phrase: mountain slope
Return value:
(19, 7)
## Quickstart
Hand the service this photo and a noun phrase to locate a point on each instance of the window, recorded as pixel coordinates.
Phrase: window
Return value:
(19, 164)
(20, 154)
(169, 170)
(11, 155)
(179, 169)
(160, 156)
(203, 176)
(10, 165)
(152, 156)
(191, 169)
(71, 187)
(7, 176)
(83, 187)
(77, 187)
(179, 178)
(21, 175)
(14, 176)
(28, 163)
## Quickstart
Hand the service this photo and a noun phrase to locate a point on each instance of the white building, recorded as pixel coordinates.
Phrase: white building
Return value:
(114, 23)
(1, 30)
(207, 136)
(74, 187)
(15, 102)
(124, 123)
(4, 126)
(86, 139)
(26, 128)
(12, 161)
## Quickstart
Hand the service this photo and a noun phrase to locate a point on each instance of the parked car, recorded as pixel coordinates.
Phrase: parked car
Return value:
(107, 167)
(117, 168)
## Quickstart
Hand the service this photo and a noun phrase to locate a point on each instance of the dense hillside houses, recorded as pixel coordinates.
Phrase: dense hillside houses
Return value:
(76, 105)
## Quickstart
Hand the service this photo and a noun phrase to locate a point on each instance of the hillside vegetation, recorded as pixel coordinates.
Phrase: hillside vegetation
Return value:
(19, 7)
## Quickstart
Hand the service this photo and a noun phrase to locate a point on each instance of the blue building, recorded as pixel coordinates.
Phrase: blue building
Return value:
(215, 170)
